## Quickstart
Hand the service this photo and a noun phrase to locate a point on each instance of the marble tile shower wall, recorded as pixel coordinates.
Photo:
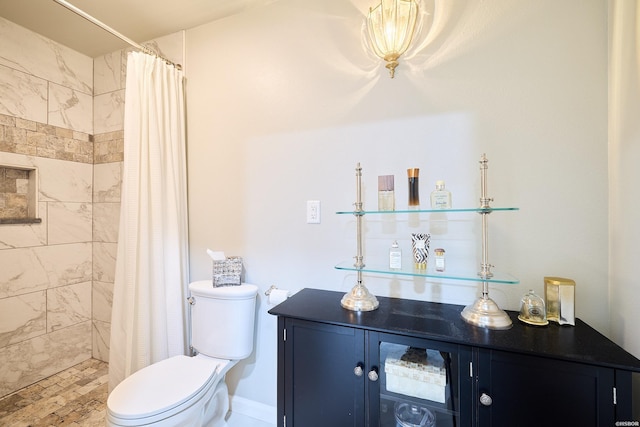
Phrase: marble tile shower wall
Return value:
(60, 112)
(46, 122)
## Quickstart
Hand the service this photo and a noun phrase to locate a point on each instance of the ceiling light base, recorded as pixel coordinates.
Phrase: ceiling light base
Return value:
(392, 67)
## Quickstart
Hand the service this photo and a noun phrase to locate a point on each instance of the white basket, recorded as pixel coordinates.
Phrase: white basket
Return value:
(424, 379)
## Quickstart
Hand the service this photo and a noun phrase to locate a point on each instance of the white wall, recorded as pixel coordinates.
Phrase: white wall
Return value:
(283, 101)
(624, 195)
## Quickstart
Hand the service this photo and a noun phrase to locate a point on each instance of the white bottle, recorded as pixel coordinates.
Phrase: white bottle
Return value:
(440, 197)
(395, 256)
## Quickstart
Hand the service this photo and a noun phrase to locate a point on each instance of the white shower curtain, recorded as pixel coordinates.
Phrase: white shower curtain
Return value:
(148, 321)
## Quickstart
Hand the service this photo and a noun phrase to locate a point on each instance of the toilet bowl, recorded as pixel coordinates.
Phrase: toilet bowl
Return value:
(191, 391)
(179, 391)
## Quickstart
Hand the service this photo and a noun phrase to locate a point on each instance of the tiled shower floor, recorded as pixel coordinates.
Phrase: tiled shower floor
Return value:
(74, 397)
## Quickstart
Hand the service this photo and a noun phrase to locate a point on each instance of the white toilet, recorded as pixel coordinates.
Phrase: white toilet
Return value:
(191, 391)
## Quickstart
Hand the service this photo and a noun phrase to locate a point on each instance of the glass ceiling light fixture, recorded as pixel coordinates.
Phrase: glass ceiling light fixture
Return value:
(391, 25)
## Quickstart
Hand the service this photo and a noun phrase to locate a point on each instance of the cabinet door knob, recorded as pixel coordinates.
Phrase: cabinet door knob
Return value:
(358, 371)
(373, 374)
(485, 399)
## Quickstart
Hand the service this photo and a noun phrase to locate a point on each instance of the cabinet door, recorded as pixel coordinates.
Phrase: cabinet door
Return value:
(533, 391)
(421, 382)
(321, 387)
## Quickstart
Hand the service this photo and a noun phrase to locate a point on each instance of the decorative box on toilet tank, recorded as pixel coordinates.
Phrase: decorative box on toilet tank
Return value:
(227, 272)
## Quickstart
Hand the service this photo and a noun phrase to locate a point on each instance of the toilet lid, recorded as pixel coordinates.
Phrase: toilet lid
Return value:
(161, 386)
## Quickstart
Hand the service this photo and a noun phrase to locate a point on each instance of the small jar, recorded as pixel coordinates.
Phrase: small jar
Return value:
(532, 310)
(439, 259)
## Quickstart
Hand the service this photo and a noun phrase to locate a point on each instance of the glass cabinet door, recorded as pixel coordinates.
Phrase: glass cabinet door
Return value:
(421, 383)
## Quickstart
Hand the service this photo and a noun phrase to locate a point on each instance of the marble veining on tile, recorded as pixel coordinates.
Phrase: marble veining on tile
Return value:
(22, 317)
(25, 235)
(23, 95)
(68, 305)
(104, 261)
(76, 185)
(70, 109)
(107, 178)
(31, 269)
(108, 110)
(102, 297)
(106, 218)
(60, 181)
(69, 222)
(107, 73)
(42, 356)
(45, 59)
(101, 338)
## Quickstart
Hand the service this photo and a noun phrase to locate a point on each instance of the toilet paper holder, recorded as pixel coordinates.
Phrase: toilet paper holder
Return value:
(271, 288)
(275, 296)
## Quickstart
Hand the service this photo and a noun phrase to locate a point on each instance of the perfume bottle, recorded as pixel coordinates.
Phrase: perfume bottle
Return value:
(386, 196)
(414, 191)
(440, 197)
(395, 256)
(420, 249)
(439, 257)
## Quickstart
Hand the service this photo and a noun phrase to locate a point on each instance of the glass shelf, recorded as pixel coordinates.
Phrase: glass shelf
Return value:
(471, 276)
(478, 210)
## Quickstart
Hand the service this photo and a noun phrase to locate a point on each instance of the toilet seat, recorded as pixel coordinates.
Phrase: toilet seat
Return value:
(163, 389)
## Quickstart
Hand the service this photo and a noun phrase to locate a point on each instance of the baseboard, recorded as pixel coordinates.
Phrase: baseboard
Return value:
(253, 409)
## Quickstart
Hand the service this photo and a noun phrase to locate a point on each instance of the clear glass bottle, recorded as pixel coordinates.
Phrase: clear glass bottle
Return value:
(440, 197)
(395, 256)
(439, 257)
(386, 195)
(414, 190)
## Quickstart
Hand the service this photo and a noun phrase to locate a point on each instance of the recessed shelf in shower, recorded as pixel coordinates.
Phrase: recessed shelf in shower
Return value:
(18, 195)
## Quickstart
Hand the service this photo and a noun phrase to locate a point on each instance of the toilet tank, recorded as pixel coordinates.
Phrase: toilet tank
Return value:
(223, 319)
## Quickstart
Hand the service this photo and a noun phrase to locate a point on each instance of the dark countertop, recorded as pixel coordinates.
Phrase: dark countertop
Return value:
(443, 322)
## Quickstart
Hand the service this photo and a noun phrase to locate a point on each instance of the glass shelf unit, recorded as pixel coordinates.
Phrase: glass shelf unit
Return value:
(414, 211)
(472, 276)
(483, 312)
(449, 274)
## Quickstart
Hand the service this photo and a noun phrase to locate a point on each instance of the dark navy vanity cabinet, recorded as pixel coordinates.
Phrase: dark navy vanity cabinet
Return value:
(340, 368)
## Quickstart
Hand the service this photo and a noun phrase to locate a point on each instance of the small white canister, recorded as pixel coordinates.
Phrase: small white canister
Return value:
(559, 295)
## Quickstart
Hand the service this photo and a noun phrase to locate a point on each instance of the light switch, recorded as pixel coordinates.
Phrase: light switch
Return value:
(313, 211)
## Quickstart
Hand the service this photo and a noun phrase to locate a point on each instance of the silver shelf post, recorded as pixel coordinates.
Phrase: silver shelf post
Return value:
(359, 298)
(484, 311)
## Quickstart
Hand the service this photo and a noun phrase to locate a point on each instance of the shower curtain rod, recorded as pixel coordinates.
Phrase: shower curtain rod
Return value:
(105, 27)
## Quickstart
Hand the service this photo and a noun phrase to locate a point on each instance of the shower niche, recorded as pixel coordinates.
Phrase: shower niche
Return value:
(18, 195)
